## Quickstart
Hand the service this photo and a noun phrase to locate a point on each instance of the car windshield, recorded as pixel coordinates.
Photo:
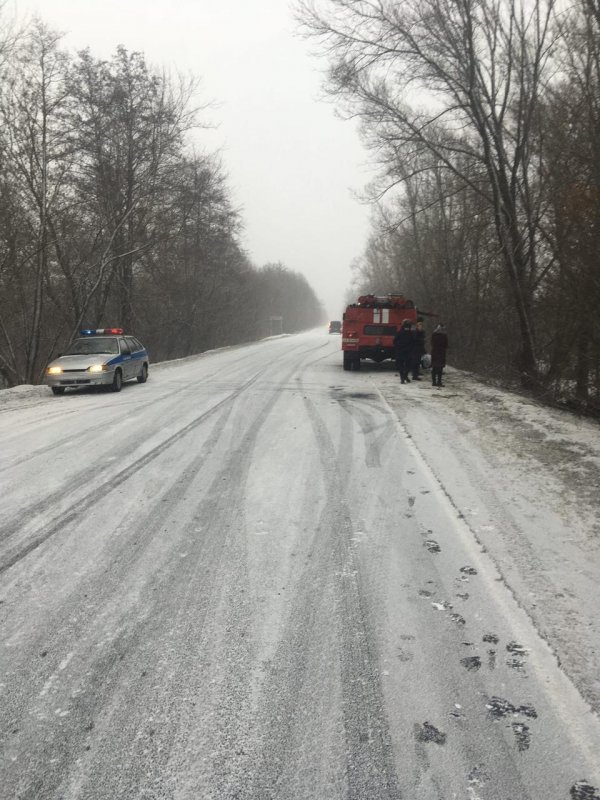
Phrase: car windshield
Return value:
(92, 346)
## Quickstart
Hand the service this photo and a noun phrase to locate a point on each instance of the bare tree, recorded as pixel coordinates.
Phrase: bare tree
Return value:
(436, 246)
(196, 261)
(130, 124)
(572, 117)
(107, 214)
(36, 167)
(10, 33)
(459, 80)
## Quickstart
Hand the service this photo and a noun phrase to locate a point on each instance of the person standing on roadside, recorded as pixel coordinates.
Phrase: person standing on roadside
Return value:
(419, 349)
(403, 350)
(439, 345)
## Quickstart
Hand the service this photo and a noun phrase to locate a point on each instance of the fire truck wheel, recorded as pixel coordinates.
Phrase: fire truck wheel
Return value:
(348, 360)
(356, 362)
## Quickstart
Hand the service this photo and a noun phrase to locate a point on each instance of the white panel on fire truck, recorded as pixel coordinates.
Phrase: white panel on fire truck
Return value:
(385, 313)
(376, 315)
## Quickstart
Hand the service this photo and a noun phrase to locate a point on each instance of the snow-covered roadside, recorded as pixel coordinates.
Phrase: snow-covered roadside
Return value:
(23, 395)
(526, 480)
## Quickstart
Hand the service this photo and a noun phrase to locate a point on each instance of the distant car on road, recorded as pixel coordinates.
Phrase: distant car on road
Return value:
(335, 326)
(100, 357)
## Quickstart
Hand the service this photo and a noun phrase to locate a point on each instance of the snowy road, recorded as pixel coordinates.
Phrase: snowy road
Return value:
(243, 579)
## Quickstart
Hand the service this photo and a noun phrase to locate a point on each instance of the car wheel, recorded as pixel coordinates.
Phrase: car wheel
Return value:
(58, 389)
(117, 383)
(143, 376)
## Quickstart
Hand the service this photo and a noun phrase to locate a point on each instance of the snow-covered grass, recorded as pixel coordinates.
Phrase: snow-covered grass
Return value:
(23, 394)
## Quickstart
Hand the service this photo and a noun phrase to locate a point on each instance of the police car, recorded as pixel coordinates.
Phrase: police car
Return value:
(100, 357)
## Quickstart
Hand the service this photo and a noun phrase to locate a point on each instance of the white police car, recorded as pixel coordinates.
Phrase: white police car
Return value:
(101, 357)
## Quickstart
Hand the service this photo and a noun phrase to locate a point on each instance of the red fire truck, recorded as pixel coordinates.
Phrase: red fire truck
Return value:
(369, 327)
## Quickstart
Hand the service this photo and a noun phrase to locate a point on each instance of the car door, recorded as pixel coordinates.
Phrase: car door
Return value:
(136, 355)
(127, 364)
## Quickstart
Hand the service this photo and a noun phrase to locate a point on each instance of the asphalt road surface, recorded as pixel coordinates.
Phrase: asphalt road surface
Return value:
(229, 583)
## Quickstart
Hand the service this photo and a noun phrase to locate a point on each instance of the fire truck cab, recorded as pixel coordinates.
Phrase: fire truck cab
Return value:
(369, 327)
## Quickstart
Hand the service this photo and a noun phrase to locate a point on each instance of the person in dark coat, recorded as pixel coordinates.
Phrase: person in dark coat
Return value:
(439, 345)
(419, 349)
(403, 350)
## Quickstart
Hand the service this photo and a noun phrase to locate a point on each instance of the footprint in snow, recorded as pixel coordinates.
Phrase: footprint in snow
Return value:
(500, 708)
(491, 638)
(582, 790)
(477, 777)
(522, 735)
(471, 663)
(518, 654)
(404, 655)
(429, 733)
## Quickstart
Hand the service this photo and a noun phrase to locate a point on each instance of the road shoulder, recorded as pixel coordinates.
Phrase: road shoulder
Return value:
(525, 479)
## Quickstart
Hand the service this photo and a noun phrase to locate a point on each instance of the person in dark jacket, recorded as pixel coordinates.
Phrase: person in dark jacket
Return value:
(403, 350)
(439, 345)
(419, 349)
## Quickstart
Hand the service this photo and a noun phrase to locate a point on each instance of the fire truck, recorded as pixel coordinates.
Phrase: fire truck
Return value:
(369, 327)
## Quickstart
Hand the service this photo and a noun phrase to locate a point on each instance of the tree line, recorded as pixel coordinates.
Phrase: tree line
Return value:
(483, 117)
(110, 216)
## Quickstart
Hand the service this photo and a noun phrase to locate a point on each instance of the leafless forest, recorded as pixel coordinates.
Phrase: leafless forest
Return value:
(483, 117)
(109, 215)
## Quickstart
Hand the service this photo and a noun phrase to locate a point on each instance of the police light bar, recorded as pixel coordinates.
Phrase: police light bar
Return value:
(100, 331)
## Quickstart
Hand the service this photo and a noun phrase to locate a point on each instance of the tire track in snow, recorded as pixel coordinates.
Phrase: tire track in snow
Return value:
(137, 409)
(365, 419)
(175, 619)
(81, 505)
(208, 742)
(329, 591)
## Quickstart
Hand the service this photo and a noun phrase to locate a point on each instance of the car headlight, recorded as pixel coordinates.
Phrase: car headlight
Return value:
(97, 368)
(54, 370)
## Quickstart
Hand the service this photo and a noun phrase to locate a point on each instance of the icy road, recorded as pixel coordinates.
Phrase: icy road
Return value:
(260, 577)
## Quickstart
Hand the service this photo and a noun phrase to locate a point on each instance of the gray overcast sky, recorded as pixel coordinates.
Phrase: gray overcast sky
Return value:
(292, 164)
